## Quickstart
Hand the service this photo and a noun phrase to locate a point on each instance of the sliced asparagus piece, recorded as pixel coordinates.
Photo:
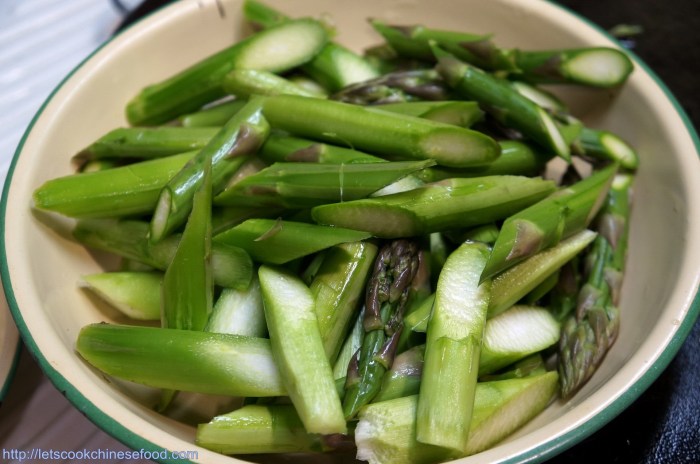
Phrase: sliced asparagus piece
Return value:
(379, 131)
(226, 151)
(304, 185)
(386, 432)
(277, 49)
(278, 242)
(608, 146)
(231, 266)
(404, 377)
(502, 102)
(246, 82)
(135, 294)
(516, 282)
(298, 351)
(337, 290)
(387, 295)
(119, 191)
(396, 87)
(280, 147)
(219, 364)
(239, 312)
(458, 113)
(449, 204)
(214, 116)
(350, 346)
(546, 222)
(454, 337)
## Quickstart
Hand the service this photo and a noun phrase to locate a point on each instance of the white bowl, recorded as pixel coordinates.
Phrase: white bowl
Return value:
(659, 303)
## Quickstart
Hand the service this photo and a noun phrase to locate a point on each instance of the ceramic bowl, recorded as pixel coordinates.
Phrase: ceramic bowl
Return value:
(41, 268)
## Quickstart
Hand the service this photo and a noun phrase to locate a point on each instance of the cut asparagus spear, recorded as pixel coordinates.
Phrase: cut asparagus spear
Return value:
(454, 336)
(188, 288)
(337, 290)
(387, 295)
(261, 15)
(277, 49)
(231, 266)
(278, 242)
(120, 191)
(350, 346)
(194, 361)
(213, 116)
(242, 135)
(588, 335)
(608, 146)
(386, 432)
(396, 87)
(147, 142)
(546, 222)
(380, 132)
(404, 377)
(502, 102)
(458, 113)
(239, 312)
(514, 283)
(298, 351)
(304, 185)
(246, 82)
(280, 147)
(136, 294)
(449, 204)
(258, 429)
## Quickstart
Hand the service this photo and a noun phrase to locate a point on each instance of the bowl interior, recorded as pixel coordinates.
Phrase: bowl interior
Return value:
(42, 267)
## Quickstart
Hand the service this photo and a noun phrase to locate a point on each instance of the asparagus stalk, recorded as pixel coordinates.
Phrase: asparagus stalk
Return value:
(396, 87)
(502, 102)
(239, 312)
(546, 222)
(277, 49)
(449, 204)
(213, 116)
(608, 146)
(261, 15)
(380, 132)
(146, 142)
(242, 135)
(337, 290)
(195, 361)
(279, 242)
(119, 191)
(404, 377)
(454, 336)
(351, 344)
(458, 113)
(246, 82)
(135, 294)
(298, 351)
(286, 148)
(303, 185)
(589, 333)
(386, 432)
(387, 295)
(511, 285)
(231, 266)
(188, 288)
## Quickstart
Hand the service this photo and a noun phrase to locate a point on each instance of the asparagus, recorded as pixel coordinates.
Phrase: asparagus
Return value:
(239, 312)
(279, 242)
(146, 142)
(609, 147)
(212, 116)
(546, 222)
(511, 285)
(588, 334)
(454, 336)
(277, 49)
(386, 432)
(298, 351)
(281, 147)
(246, 82)
(380, 132)
(242, 135)
(502, 102)
(449, 204)
(351, 344)
(396, 87)
(231, 266)
(303, 185)
(404, 377)
(119, 191)
(135, 294)
(386, 298)
(458, 113)
(337, 290)
(195, 361)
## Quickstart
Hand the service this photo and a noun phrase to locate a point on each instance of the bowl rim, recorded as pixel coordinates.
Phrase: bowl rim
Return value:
(540, 453)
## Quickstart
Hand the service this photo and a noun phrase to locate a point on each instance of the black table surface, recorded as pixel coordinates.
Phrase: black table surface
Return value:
(663, 425)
